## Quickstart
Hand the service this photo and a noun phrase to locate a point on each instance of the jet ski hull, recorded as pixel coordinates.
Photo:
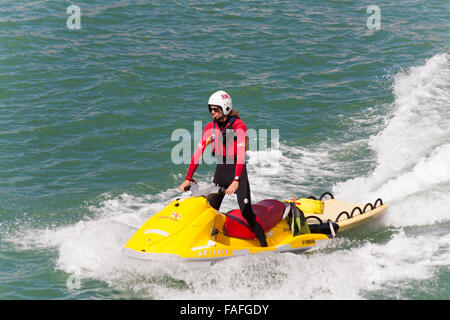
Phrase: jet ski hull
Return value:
(191, 230)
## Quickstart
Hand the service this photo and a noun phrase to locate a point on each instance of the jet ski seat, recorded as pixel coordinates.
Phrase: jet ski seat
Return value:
(268, 212)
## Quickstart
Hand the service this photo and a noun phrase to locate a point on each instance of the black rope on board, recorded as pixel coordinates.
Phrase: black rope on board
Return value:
(378, 200)
(368, 205)
(325, 194)
(356, 209)
(342, 213)
(322, 196)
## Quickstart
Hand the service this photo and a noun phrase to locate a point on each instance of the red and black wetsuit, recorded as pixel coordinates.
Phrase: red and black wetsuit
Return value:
(228, 140)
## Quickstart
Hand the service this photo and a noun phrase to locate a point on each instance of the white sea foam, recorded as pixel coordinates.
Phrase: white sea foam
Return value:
(413, 149)
(92, 250)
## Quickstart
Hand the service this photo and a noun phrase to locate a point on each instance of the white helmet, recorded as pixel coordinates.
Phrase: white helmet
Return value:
(223, 100)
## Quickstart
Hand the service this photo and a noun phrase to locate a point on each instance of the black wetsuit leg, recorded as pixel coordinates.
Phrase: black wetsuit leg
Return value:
(223, 177)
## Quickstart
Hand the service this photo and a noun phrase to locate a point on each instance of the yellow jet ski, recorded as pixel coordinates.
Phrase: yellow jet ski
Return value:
(190, 229)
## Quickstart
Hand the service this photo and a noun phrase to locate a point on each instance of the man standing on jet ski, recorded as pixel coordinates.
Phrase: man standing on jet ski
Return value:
(231, 171)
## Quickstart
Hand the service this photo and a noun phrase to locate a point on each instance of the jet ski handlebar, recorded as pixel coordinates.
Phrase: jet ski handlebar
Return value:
(204, 190)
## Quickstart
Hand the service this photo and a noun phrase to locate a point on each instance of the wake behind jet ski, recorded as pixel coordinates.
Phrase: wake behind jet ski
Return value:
(190, 229)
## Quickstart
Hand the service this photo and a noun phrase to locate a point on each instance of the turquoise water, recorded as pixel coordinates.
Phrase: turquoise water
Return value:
(87, 117)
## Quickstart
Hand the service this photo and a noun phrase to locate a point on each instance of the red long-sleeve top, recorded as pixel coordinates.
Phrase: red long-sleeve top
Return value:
(236, 148)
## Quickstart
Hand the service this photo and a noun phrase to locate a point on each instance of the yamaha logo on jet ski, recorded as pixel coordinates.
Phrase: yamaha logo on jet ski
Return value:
(213, 252)
(174, 217)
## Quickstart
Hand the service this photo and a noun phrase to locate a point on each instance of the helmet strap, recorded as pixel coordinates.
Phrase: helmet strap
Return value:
(220, 119)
